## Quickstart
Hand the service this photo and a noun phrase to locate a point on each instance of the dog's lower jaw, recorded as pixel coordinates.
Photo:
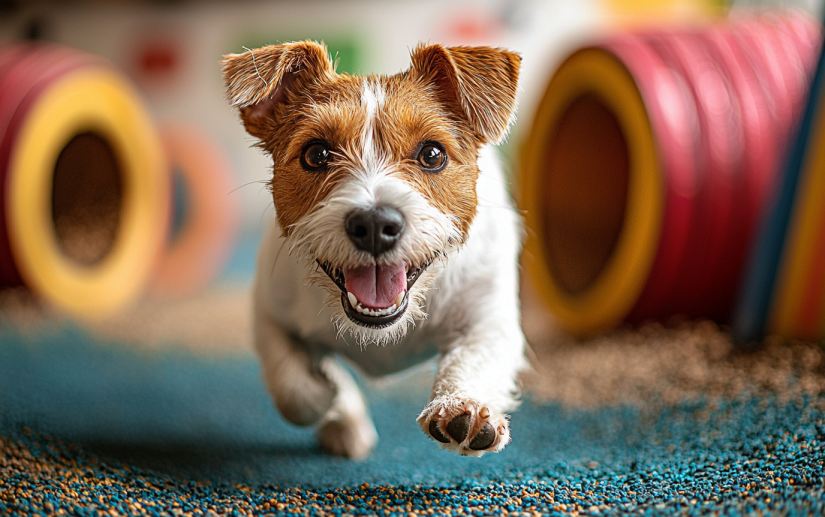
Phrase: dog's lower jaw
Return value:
(415, 301)
(376, 319)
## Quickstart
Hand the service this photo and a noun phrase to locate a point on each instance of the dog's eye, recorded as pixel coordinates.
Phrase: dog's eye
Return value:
(316, 156)
(432, 157)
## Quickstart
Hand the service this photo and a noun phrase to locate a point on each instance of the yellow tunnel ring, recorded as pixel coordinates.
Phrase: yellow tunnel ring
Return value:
(616, 286)
(99, 101)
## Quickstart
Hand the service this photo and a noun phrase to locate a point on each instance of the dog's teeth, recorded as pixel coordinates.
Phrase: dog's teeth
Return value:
(369, 311)
(400, 298)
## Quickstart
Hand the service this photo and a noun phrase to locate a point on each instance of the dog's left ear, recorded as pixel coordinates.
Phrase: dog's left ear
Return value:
(477, 83)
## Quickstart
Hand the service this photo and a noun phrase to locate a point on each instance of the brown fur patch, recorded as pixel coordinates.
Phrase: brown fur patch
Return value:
(479, 83)
(412, 115)
(260, 80)
(461, 97)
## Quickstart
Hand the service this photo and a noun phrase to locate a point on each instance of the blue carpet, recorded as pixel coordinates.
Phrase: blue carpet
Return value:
(91, 425)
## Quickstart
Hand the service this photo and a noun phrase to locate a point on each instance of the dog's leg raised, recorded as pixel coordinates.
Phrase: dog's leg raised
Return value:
(477, 378)
(310, 391)
(475, 384)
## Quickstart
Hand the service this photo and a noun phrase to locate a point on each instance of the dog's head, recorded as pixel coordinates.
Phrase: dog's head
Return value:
(374, 178)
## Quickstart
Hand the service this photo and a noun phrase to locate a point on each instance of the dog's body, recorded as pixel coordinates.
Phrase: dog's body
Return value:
(395, 240)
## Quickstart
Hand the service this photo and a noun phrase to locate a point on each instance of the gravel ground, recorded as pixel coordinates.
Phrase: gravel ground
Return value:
(159, 412)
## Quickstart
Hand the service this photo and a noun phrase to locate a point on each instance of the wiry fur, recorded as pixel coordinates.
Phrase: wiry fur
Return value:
(318, 237)
(488, 99)
(459, 222)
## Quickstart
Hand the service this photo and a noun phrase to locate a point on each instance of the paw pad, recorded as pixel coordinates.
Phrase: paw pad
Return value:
(459, 427)
(485, 438)
(436, 433)
(466, 427)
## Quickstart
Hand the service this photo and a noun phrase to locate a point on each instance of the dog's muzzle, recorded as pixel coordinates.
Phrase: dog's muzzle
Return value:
(375, 296)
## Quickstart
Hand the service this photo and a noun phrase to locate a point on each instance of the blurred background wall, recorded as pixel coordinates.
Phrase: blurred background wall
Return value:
(171, 50)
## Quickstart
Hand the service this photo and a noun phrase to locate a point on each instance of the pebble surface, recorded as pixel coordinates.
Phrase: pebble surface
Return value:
(115, 432)
(760, 473)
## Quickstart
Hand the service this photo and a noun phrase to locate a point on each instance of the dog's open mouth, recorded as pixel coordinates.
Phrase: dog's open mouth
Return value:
(375, 296)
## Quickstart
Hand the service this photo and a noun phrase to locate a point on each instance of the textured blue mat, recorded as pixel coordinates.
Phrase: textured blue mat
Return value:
(91, 425)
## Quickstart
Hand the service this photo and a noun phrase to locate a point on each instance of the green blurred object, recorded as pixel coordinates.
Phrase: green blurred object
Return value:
(347, 50)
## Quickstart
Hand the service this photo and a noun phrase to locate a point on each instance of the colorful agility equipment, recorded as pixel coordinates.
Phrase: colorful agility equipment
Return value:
(628, 13)
(200, 247)
(84, 186)
(784, 287)
(650, 161)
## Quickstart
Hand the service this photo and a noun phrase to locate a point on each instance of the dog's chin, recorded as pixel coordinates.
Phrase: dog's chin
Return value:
(378, 333)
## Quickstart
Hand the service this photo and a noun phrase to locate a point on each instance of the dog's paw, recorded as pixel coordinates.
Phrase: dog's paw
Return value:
(465, 426)
(349, 437)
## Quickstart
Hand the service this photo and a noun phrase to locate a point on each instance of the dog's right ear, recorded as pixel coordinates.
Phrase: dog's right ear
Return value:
(258, 80)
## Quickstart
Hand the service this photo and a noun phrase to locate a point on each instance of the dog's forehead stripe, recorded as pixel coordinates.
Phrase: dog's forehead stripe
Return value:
(372, 96)
(372, 100)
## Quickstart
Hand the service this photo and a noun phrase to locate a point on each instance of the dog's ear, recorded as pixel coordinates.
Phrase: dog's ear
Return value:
(259, 79)
(477, 83)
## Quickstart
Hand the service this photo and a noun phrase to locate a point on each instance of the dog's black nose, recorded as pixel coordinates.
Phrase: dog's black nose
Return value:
(375, 230)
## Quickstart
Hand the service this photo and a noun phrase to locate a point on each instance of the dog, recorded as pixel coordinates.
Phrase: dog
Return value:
(399, 239)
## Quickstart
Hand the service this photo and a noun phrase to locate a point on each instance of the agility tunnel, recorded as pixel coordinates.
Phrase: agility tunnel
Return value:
(203, 222)
(85, 191)
(650, 163)
(784, 288)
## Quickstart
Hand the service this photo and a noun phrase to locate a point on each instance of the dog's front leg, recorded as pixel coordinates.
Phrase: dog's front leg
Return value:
(300, 390)
(476, 382)
(346, 429)
(310, 388)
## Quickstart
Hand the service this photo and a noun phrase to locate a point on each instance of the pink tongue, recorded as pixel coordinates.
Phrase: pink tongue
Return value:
(376, 286)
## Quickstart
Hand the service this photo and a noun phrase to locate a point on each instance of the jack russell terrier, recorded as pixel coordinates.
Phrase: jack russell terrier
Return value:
(398, 232)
